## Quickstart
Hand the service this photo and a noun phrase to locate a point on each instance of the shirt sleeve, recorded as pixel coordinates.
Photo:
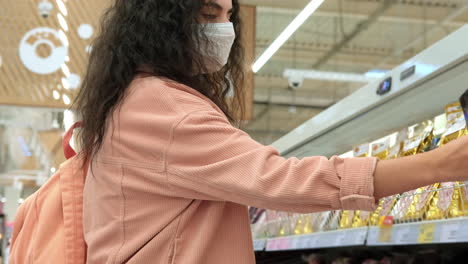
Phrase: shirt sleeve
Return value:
(210, 159)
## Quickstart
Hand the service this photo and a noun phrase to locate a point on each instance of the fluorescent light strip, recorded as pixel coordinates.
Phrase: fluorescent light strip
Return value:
(328, 76)
(62, 21)
(286, 34)
(62, 7)
(65, 70)
(66, 99)
(64, 38)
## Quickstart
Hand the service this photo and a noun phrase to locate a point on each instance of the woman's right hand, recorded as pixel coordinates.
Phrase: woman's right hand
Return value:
(451, 161)
(445, 164)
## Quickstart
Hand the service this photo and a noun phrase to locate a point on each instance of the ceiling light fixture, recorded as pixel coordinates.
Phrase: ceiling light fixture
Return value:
(62, 21)
(64, 38)
(328, 76)
(65, 83)
(66, 99)
(56, 94)
(65, 70)
(286, 34)
(62, 7)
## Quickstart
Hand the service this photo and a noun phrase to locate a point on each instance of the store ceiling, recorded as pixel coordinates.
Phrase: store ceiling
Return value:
(353, 36)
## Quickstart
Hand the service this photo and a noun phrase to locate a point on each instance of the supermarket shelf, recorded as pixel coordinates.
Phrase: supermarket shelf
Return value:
(416, 233)
(427, 232)
(259, 244)
(339, 238)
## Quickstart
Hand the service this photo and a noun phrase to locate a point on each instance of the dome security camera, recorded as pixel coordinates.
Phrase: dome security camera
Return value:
(45, 8)
(295, 82)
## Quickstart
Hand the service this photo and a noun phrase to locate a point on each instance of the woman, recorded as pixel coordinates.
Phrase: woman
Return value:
(170, 177)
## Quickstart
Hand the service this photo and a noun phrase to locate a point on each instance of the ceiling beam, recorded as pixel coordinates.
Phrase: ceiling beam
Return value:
(402, 9)
(287, 100)
(450, 17)
(356, 31)
(266, 11)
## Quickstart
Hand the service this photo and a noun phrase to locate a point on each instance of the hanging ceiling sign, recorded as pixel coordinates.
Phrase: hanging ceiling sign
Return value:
(43, 50)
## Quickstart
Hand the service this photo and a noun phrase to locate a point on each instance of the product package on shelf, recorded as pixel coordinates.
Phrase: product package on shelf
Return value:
(383, 209)
(333, 221)
(346, 220)
(420, 203)
(411, 145)
(286, 228)
(455, 130)
(445, 203)
(361, 150)
(394, 152)
(302, 224)
(273, 223)
(361, 219)
(321, 220)
(427, 128)
(381, 149)
(401, 206)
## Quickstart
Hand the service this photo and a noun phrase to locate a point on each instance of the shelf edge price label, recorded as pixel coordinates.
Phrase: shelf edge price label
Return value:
(402, 235)
(450, 232)
(340, 238)
(271, 245)
(386, 229)
(426, 233)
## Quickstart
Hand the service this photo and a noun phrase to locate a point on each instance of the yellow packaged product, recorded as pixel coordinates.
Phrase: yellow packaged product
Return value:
(286, 228)
(333, 221)
(414, 204)
(381, 149)
(453, 117)
(302, 224)
(361, 219)
(320, 220)
(383, 209)
(411, 145)
(453, 107)
(421, 202)
(464, 197)
(361, 150)
(401, 206)
(394, 152)
(427, 136)
(273, 223)
(297, 224)
(346, 220)
(401, 137)
(455, 129)
(446, 202)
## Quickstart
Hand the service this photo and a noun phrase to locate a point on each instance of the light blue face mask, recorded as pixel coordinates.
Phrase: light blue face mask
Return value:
(221, 36)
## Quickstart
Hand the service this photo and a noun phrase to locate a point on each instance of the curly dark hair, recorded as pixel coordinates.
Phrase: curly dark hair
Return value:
(164, 36)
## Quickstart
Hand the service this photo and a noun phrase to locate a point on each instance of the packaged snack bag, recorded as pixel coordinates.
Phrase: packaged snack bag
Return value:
(361, 150)
(381, 149)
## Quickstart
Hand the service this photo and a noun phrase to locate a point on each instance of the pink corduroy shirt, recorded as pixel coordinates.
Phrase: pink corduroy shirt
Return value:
(173, 180)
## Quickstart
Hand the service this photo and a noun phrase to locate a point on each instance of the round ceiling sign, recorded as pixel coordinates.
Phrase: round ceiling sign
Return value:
(42, 50)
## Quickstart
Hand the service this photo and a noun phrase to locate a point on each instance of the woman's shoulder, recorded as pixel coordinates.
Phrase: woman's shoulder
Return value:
(166, 92)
